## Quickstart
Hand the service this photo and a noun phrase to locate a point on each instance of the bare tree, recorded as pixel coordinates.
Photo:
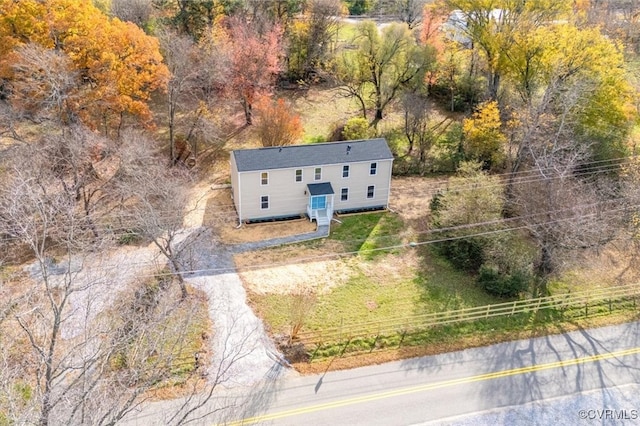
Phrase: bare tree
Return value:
(8, 120)
(44, 84)
(565, 208)
(416, 116)
(153, 198)
(618, 19)
(179, 54)
(631, 190)
(75, 346)
(323, 17)
(83, 162)
(407, 11)
(419, 129)
(93, 367)
(206, 400)
(136, 11)
(42, 215)
(197, 79)
(303, 302)
(565, 214)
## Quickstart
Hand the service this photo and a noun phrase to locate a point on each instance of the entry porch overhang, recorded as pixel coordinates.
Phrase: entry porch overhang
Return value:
(320, 206)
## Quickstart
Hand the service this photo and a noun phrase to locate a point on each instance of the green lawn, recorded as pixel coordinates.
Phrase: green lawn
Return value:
(428, 286)
(394, 286)
(445, 288)
(362, 300)
(321, 110)
(346, 32)
(368, 232)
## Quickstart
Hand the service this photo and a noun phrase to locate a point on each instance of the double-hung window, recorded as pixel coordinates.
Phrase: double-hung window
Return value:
(373, 169)
(299, 175)
(264, 178)
(264, 202)
(345, 171)
(318, 173)
(344, 194)
(370, 191)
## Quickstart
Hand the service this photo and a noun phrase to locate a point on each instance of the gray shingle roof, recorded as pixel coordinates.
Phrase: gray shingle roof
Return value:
(324, 188)
(311, 155)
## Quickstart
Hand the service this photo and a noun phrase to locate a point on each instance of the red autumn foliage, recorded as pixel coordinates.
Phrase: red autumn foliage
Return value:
(255, 61)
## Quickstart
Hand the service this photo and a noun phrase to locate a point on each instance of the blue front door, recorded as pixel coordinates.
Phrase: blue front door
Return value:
(319, 202)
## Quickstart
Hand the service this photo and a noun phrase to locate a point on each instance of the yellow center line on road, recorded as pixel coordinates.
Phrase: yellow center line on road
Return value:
(431, 386)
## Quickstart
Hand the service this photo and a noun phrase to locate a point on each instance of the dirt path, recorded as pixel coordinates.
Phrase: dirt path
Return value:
(97, 280)
(197, 205)
(242, 352)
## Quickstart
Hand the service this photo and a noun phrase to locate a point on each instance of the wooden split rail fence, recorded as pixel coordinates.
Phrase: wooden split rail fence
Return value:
(576, 304)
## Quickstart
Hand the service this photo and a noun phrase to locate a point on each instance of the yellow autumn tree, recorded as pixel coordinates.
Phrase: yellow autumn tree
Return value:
(117, 64)
(483, 138)
(21, 21)
(579, 76)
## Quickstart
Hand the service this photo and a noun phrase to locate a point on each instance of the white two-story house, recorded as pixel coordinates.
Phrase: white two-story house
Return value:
(315, 180)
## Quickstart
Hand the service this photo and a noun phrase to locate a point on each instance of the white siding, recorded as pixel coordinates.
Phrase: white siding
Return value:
(358, 181)
(288, 197)
(235, 188)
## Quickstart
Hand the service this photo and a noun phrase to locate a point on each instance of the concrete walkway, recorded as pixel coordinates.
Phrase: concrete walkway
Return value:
(320, 232)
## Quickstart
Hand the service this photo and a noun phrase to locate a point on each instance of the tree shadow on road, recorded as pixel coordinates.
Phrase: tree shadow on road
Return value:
(540, 368)
(571, 363)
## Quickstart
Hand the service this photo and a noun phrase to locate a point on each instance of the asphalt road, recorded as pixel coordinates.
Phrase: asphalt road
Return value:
(583, 377)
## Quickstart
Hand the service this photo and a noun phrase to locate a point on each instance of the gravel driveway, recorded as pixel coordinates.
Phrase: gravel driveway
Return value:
(243, 353)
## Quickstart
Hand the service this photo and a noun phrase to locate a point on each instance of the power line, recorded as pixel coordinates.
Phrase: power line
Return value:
(499, 221)
(171, 214)
(355, 252)
(337, 255)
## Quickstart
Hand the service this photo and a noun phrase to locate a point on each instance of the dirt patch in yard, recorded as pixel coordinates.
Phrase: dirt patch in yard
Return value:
(265, 231)
(614, 265)
(278, 275)
(288, 269)
(410, 198)
(393, 268)
(220, 215)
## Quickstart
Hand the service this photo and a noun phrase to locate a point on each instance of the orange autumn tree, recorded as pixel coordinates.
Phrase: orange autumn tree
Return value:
(125, 73)
(433, 18)
(118, 66)
(276, 125)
